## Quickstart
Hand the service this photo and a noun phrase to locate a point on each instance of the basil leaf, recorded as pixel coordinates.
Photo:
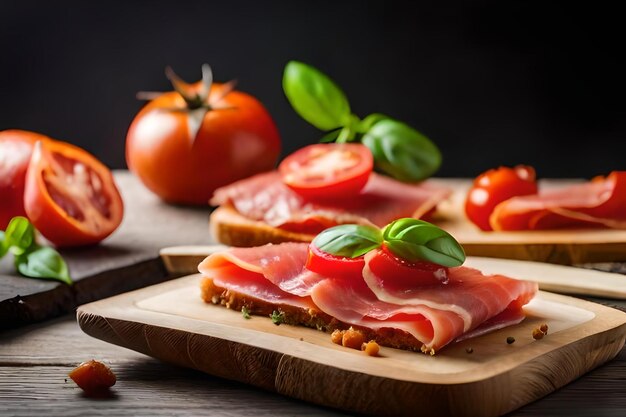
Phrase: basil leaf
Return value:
(43, 262)
(4, 248)
(315, 97)
(369, 121)
(19, 236)
(417, 240)
(349, 240)
(331, 136)
(401, 151)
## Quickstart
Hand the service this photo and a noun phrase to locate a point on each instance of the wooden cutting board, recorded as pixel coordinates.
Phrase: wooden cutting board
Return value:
(565, 247)
(170, 322)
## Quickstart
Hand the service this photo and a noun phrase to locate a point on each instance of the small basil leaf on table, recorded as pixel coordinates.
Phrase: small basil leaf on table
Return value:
(348, 240)
(315, 97)
(19, 235)
(43, 262)
(401, 151)
(4, 248)
(417, 240)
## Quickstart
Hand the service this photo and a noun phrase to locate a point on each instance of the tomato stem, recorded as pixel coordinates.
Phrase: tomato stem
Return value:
(194, 98)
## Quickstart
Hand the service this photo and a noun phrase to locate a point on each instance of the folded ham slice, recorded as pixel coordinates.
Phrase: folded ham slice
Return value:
(464, 302)
(597, 203)
(264, 197)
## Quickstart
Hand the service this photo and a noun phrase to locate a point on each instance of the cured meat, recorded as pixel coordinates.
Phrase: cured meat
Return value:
(461, 300)
(597, 203)
(264, 197)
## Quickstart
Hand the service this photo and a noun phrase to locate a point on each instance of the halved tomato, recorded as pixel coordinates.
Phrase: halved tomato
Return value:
(495, 186)
(334, 266)
(16, 147)
(405, 274)
(70, 196)
(324, 171)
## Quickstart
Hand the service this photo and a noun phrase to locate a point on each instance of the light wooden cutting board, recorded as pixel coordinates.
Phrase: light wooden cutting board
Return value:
(169, 321)
(555, 246)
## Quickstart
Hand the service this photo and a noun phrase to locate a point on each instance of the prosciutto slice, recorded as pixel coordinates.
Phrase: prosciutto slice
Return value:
(464, 302)
(597, 203)
(264, 197)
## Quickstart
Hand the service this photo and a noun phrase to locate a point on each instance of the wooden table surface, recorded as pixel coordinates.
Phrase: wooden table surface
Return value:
(35, 361)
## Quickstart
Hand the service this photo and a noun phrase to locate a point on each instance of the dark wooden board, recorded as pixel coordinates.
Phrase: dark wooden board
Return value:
(127, 260)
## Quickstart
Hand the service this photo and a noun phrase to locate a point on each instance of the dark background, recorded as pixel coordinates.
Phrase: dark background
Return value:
(491, 83)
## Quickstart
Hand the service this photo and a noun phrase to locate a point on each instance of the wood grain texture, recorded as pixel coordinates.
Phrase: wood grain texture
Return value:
(168, 321)
(182, 260)
(127, 260)
(35, 360)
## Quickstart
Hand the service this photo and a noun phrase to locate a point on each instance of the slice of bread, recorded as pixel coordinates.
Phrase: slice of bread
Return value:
(292, 315)
(231, 228)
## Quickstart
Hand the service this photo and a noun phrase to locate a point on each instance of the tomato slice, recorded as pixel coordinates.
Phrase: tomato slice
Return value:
(402, 274)
(324, 171)
(495, 186)
(334, 266)
(70, 196)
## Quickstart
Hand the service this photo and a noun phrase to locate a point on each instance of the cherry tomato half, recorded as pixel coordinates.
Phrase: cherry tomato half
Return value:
(70, 196)
(400, 273)
(334, 266)
(495, 186)
(16, 148)
(328, 170)
(183, 150)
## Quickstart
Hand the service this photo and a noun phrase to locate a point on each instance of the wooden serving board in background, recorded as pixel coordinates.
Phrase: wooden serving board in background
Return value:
(169, 321)
(129, 259)
(565, 246)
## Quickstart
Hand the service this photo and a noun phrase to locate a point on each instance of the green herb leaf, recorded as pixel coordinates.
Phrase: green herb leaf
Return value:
(245, 312)
(401, 151)
(277, 317)
(19, 236)
(43, 262)
(367, 123)
(315, 97)
(4, 248)
(348, 240)
(417, 240)
(331, 136)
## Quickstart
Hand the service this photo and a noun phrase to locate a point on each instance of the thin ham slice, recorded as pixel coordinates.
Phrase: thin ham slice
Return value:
(435, 314)
(264, 197)
(597, 203)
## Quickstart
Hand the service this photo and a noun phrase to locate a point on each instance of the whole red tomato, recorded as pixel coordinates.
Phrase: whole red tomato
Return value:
(70, 196)
(185, 144)
(495, 186)
(16, 147)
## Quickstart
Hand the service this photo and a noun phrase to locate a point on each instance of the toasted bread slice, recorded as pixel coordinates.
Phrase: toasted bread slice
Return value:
(231, 228)
(292, 315)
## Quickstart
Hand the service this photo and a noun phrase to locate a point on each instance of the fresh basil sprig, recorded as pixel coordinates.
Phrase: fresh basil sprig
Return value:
(315, 96)
(349, 240)
(399, 150)
(409, 239)
(417, 240)
(32, 260)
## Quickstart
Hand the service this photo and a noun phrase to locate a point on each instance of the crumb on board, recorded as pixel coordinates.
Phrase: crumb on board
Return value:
(538, 334)
(510, 340)
(371, 348)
